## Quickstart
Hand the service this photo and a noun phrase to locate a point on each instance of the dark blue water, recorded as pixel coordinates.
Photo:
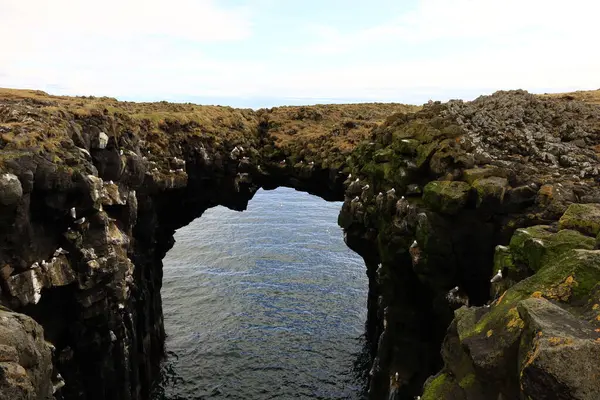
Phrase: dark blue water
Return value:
(268, 303)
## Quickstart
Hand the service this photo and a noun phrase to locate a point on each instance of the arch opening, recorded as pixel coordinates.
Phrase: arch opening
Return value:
(265, 303)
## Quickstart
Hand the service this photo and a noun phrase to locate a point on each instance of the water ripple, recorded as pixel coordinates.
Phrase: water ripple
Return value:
(264, 304)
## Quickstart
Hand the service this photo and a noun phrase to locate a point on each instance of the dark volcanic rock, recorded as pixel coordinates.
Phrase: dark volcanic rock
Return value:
(25, 359)
(562, 360)
(442, 197)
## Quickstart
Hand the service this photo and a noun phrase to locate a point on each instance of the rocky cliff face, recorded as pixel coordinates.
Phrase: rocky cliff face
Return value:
(92, 190)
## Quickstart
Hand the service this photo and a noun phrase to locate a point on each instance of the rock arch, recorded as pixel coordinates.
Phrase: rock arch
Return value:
(472, 174)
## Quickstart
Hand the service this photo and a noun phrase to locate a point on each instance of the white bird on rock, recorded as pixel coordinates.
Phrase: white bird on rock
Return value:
(391, 191)
(80, 221)
(357, 180)
(415, 252)
(120, 152)
(312, 163)
(366, 187)
(73, 213)
(497, 277)
(60, 251)
(356, 199)
(35, 265)
(349, 176)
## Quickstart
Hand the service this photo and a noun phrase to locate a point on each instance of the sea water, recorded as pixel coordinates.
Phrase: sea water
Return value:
(268, 303)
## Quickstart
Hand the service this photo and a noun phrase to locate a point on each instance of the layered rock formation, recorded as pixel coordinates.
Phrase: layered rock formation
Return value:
(508, 182)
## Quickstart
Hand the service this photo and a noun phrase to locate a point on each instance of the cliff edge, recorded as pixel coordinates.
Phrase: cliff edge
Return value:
(437, 200)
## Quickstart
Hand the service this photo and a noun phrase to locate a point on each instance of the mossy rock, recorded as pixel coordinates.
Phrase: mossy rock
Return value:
(536, 246)
(473, 174)
(447, 197)
(440, 387)
(523, 240)
(383, 155)
(569, 278)
(407, 146)
(584, 218)
(490, 190)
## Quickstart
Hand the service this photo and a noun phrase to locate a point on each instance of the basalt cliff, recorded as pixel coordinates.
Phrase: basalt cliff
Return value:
(439, 200)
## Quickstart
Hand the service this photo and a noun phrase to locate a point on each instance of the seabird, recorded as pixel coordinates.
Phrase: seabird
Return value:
(354, 200)
(497, 277)
(366, 187)
(44, 263)
(312, 163)
(349, 176)
(120, 152)
(415, 252)
(391, 191)
(357, 180)
(60, 251)
(35, 265)
(53, 260)
(73, 213)
(180, 170)
(401, 197)
(155, 169)
(241, 148)
(170, 171)
(396, 376)
(282, 162)
(80, 221)
(111, 183)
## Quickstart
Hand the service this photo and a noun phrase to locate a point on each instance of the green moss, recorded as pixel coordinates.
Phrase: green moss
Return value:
(447, 197)
(473, 174)
(584, 218)
(536, 246)
(523, 239)
(467, 382)
(503, 258)
(438, 388)
(383, 155)
(490, 190)
(571, 277)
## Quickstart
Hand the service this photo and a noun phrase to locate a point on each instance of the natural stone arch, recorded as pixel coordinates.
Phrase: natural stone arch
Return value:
(470, 172)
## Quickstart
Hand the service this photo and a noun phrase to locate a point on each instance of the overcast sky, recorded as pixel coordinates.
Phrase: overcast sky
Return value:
(259, 53)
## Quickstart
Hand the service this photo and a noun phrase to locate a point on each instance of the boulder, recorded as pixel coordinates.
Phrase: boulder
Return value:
(447, 197)
(25, 359)
(10, 190)
(490, 191)
(560, 353)
(584, 218)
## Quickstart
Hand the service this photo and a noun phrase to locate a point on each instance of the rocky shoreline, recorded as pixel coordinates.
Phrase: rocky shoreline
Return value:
(92, 191)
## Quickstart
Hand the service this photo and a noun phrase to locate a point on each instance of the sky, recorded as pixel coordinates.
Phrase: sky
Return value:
(263, 53)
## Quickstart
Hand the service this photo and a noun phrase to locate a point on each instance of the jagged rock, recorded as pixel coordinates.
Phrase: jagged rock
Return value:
(490, 191)
(10, 189)
(584, 218)
(509, 145)
(537, 245)
(25, 359)
(448, 197)
(561, 353)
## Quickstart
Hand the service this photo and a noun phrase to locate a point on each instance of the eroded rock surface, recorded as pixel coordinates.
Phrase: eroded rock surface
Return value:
(25, 359)
(92, 191)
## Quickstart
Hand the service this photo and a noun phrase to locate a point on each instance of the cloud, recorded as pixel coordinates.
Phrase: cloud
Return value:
(183, 48)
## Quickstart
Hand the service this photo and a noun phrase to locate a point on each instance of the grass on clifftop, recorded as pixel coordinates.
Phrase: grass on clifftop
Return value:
(30, 118)
(588, 96)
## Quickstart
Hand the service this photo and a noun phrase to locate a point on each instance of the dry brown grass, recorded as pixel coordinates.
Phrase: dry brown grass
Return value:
(345, 125)
(41, 119)
(588, 96)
